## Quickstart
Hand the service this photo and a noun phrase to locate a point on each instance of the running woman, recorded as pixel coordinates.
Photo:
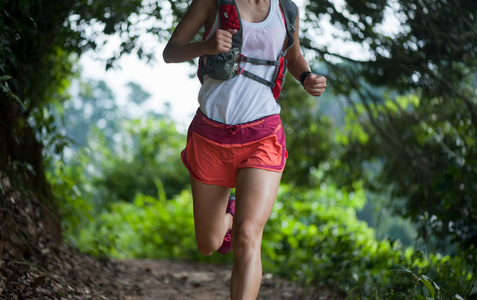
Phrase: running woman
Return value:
(236, 139)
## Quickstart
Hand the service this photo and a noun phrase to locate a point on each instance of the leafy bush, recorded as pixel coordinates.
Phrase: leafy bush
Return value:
(434, 277)
(146, 149)
(312, 236)
(114, 169)
(68, 184)
(423, 152)
(147, 227)
(315, 237)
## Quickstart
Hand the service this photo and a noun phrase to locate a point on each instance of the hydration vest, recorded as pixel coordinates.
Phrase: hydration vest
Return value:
(225, 66)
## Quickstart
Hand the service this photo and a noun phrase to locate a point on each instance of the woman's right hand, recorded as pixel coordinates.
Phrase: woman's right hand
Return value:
(220, 42)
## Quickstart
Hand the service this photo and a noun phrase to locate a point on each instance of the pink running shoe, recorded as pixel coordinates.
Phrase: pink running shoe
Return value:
(227, 244)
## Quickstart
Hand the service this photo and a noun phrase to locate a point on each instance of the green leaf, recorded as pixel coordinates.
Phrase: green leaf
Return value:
(418, 254)
(399, 268)
(5, 78)
(161, 194)
(428, 283)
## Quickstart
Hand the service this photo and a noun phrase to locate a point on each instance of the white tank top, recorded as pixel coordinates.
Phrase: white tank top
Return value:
(242, 99)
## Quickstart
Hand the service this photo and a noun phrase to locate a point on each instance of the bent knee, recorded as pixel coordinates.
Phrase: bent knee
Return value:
(209, 246)
(205, 250)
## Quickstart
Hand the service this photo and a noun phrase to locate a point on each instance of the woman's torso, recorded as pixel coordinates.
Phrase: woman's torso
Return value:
(241, 99)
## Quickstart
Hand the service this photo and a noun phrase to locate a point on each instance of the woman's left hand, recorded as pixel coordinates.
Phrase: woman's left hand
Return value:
(315, 84)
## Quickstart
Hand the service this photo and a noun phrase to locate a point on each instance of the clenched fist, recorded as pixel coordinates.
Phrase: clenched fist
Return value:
(314, 84)
(220, 42)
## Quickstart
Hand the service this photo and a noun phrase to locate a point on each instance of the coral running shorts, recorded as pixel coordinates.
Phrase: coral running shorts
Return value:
(216, 151)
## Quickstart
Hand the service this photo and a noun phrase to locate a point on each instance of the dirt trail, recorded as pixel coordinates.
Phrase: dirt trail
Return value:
(78, 276)
(62, 272)
(179, 280)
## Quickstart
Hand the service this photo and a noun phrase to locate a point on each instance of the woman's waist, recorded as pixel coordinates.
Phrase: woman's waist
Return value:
(235, 108)
(235, 134)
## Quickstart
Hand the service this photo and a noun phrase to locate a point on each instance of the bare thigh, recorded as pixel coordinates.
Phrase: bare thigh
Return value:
(256, 193)
(210, 204)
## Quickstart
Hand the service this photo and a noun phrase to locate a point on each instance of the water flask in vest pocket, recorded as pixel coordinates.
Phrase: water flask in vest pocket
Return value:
(222, 66)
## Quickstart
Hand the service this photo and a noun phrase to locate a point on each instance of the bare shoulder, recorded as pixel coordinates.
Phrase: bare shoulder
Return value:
(204, 9)
(204, 5)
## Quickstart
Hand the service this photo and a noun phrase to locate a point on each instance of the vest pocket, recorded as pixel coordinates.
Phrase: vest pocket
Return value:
(280, 79)
(229, 17)
(222, 66)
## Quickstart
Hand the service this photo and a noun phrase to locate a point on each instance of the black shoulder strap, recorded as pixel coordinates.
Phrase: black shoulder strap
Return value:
(290, 11)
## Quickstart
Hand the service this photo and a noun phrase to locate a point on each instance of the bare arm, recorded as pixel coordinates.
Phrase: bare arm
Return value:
(180, 49)
(314, 84)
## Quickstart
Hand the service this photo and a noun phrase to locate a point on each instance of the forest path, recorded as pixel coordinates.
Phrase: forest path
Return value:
(62, 272)
(152, 279)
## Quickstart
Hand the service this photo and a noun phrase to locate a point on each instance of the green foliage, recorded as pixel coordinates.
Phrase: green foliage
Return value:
(147, 227)
(69, 186)
(308, 135)
(34, 72)
(387, 225)
(37, 65)
(315, 237)
(426, 156)
(111, 158)
(431, 47)
(125, 20)
(146, 150)
(451, 278)
(39, 43)
(142, 153)
(121, 156)
(425, 149)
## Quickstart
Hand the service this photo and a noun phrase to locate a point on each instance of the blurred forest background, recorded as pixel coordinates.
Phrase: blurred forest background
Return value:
(379, 196)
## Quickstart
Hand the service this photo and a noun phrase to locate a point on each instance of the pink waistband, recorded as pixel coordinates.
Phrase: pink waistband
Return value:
(234, 134)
